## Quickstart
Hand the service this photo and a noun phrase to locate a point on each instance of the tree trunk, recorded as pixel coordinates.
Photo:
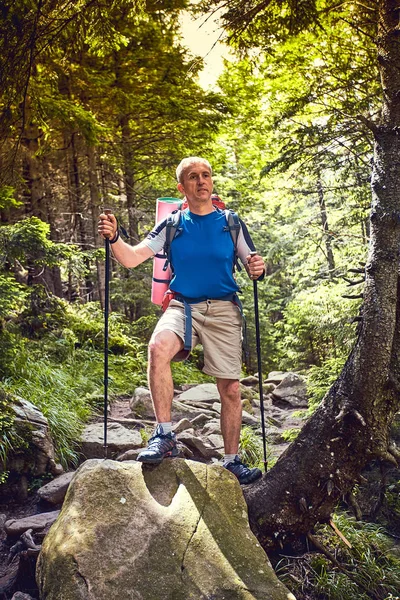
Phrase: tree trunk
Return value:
(325, 226)
(351, 427)
(31, 168)
(129, 179)
(95, 211)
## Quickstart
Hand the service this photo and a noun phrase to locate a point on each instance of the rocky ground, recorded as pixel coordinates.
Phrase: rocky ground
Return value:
(26, 517)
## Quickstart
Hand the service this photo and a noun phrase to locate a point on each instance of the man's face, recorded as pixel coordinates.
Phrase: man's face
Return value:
(197, 183)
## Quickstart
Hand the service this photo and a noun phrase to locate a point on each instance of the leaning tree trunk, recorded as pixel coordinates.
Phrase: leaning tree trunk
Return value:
(351, 427)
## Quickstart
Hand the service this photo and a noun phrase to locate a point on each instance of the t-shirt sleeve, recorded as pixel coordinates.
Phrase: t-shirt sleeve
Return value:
(245, 246)
(244, 243)
(155, 240)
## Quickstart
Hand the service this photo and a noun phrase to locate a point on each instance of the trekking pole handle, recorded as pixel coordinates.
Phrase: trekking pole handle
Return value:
(107, 211)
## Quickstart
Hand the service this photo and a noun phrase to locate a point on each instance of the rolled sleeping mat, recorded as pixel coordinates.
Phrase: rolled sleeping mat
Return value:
(161, 279)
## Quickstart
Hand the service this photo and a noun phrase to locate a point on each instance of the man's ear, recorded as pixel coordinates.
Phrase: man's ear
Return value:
(181, 188)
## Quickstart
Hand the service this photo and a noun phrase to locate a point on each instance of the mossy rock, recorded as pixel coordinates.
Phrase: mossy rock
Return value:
(178, 531)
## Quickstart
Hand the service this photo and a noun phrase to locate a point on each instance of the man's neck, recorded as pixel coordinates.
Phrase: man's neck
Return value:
(201, 208)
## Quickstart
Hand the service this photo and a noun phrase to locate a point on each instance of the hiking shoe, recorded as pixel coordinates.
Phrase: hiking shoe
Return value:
(160, 446)
(242, 471)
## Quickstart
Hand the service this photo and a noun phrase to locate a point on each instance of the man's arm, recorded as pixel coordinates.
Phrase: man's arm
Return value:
(129, 256)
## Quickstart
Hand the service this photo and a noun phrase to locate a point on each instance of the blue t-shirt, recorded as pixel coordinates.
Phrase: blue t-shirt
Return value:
(202, 257)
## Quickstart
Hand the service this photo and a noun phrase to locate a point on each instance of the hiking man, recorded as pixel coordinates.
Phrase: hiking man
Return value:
(202, 260)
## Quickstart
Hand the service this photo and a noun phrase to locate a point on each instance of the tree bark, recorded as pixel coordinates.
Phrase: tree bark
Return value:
(129, 179)
(95, 211)
(351, 427)
(325, 226)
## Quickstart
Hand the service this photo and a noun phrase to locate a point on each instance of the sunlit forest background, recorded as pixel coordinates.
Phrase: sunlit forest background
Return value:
(99, 104)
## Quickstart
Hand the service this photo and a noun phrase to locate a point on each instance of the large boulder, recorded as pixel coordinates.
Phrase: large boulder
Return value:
(204, 392)
(34, 456)
(119, 439)
(291, 392)
(178, 531)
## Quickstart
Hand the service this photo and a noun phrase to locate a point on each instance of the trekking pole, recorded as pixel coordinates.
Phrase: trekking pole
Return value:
(107, 211)
(260, 378)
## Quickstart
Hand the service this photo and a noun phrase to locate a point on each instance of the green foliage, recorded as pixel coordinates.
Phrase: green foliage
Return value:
(27, 242)
(13, 297)
(289, 435)
(373, 568)
(320, 379)
(186, 372)
(7, 431)
(250, 447)
(367, 570)
(7, 198)
(61, 371)
(317, 325)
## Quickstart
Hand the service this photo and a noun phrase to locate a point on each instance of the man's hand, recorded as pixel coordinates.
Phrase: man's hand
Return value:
(256, 266)
(107, 226)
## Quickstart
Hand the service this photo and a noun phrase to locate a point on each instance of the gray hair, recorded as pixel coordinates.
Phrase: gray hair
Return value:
(187, 162)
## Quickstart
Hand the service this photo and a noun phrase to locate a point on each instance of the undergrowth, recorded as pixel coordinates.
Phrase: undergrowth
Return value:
(369, 569)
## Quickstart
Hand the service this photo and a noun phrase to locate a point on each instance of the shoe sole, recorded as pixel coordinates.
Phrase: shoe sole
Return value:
(157, 461)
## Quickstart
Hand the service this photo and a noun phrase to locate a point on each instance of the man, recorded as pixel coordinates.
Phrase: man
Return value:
(202, 258)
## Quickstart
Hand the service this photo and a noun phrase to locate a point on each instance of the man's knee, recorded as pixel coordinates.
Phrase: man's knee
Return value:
(229, 389)
(163, 346)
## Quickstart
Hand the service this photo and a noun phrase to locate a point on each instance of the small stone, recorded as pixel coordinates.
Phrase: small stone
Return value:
(200, 420)
(35, 522)
(182, 425)
(249, 381)
(54, 491)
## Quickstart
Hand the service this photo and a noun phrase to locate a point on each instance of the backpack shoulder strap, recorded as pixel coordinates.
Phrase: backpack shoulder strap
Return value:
(233, 226)
(172, 229)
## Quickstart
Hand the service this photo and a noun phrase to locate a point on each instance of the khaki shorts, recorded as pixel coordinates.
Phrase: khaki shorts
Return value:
(217, 325)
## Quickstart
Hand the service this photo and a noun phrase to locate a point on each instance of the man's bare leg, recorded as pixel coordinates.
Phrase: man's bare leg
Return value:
(231, 413)
(162, 348)
(231, 422)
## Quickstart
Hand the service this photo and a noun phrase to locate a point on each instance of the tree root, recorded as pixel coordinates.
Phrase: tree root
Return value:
(388, 456)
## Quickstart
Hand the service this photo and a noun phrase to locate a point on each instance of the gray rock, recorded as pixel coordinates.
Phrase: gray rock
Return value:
(205, 392)
(182, 425)
(247, 393)
(34, 456)
(185, 451)
(179, 531)
(129, 455)
(249, 381)
(3, 519)
(249, 419)
(182, 411)
(141, 404)
(216, 440)
(21, 596)
(26, 411)
(35, 522)
(275, 377)
(54, 491)
(200, 420)
(217, 407)
(198, 446)
(119, 439)
(292, 391)
(212, 427)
